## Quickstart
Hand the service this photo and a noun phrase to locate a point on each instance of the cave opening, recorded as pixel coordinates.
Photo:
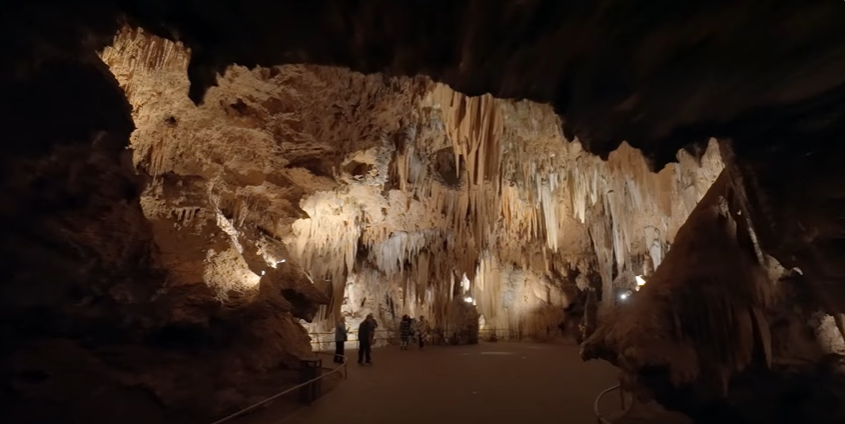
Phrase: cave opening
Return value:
(358, 169)
(315, 165)
(173, 212)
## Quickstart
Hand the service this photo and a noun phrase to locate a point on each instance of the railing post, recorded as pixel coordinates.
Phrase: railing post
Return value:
(310, 374)
(310, 388)
(307, 388)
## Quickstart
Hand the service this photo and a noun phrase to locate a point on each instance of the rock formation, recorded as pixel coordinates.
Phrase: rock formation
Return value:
(260, 199)
(721, 330)
(395, 200)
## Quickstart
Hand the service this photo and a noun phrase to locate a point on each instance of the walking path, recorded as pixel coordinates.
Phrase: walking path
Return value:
(485, 383)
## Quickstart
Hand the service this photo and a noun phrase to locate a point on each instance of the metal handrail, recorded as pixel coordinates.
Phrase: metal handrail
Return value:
(343, 367)
(390, 330)
(601, 419)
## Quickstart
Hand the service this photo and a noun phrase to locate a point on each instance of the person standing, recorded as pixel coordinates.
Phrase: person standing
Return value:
(341, 334)
(589, 320)
(414, 329)
(404, 332)
(422, 331)
(366, 335)
(374, 325)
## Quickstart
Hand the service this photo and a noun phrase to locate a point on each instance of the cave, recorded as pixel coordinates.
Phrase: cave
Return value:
(196, 190)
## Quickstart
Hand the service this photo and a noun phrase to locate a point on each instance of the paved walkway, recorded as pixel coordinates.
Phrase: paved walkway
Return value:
(486, 383)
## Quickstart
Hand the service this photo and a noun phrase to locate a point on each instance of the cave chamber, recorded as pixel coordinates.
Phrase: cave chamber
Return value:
(196, 192)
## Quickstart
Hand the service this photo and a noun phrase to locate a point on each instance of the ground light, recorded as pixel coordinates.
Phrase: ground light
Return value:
(640, 281)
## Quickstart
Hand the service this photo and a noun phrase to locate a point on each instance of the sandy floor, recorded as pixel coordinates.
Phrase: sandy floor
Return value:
(492, 383)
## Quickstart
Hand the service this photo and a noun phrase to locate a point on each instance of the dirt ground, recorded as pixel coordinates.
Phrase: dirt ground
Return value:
(489, 382)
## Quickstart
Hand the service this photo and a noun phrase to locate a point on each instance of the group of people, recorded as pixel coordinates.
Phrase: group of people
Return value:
(408, 328)
(411, 328)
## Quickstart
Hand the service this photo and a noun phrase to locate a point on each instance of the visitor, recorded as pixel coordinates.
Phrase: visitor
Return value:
(414, 334)
(374, 325)
(589, 321)
(422, 331)
(341, 334)
(404, 332)
(366, 334)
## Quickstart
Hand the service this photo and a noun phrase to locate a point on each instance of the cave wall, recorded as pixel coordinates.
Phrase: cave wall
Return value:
(384, 194)
(79, 269)
(722, 331)
(101, 311)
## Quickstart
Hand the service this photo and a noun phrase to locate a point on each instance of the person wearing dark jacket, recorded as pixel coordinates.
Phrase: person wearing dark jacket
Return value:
(404, 332)
(366, 333)
(422, 331)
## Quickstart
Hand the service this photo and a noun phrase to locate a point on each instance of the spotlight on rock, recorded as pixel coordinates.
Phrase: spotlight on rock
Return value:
(640, 281)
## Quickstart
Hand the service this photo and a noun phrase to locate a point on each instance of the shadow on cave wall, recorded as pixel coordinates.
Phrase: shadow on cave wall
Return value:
(446, 170)
(193, 339)
(87, 321)
(78, 262)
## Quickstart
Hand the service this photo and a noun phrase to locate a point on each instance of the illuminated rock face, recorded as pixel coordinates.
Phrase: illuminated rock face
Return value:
(389, 196)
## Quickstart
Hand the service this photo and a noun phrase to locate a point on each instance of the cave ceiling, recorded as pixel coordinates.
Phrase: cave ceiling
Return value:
(660, 75)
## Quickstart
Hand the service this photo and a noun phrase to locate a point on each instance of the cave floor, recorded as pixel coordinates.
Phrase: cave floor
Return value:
(491, 382)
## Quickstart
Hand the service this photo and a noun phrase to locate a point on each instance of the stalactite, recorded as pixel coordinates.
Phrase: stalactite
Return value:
(514, 192)
(141, 52)
(474, 126)
(326, 244)
(184, 215)
(524, 194)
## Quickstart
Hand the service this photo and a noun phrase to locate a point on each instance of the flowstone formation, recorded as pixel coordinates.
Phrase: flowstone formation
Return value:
(330, 193)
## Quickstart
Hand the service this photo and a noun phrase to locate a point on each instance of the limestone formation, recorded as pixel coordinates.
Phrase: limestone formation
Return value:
(267, 189)
(401, 191)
